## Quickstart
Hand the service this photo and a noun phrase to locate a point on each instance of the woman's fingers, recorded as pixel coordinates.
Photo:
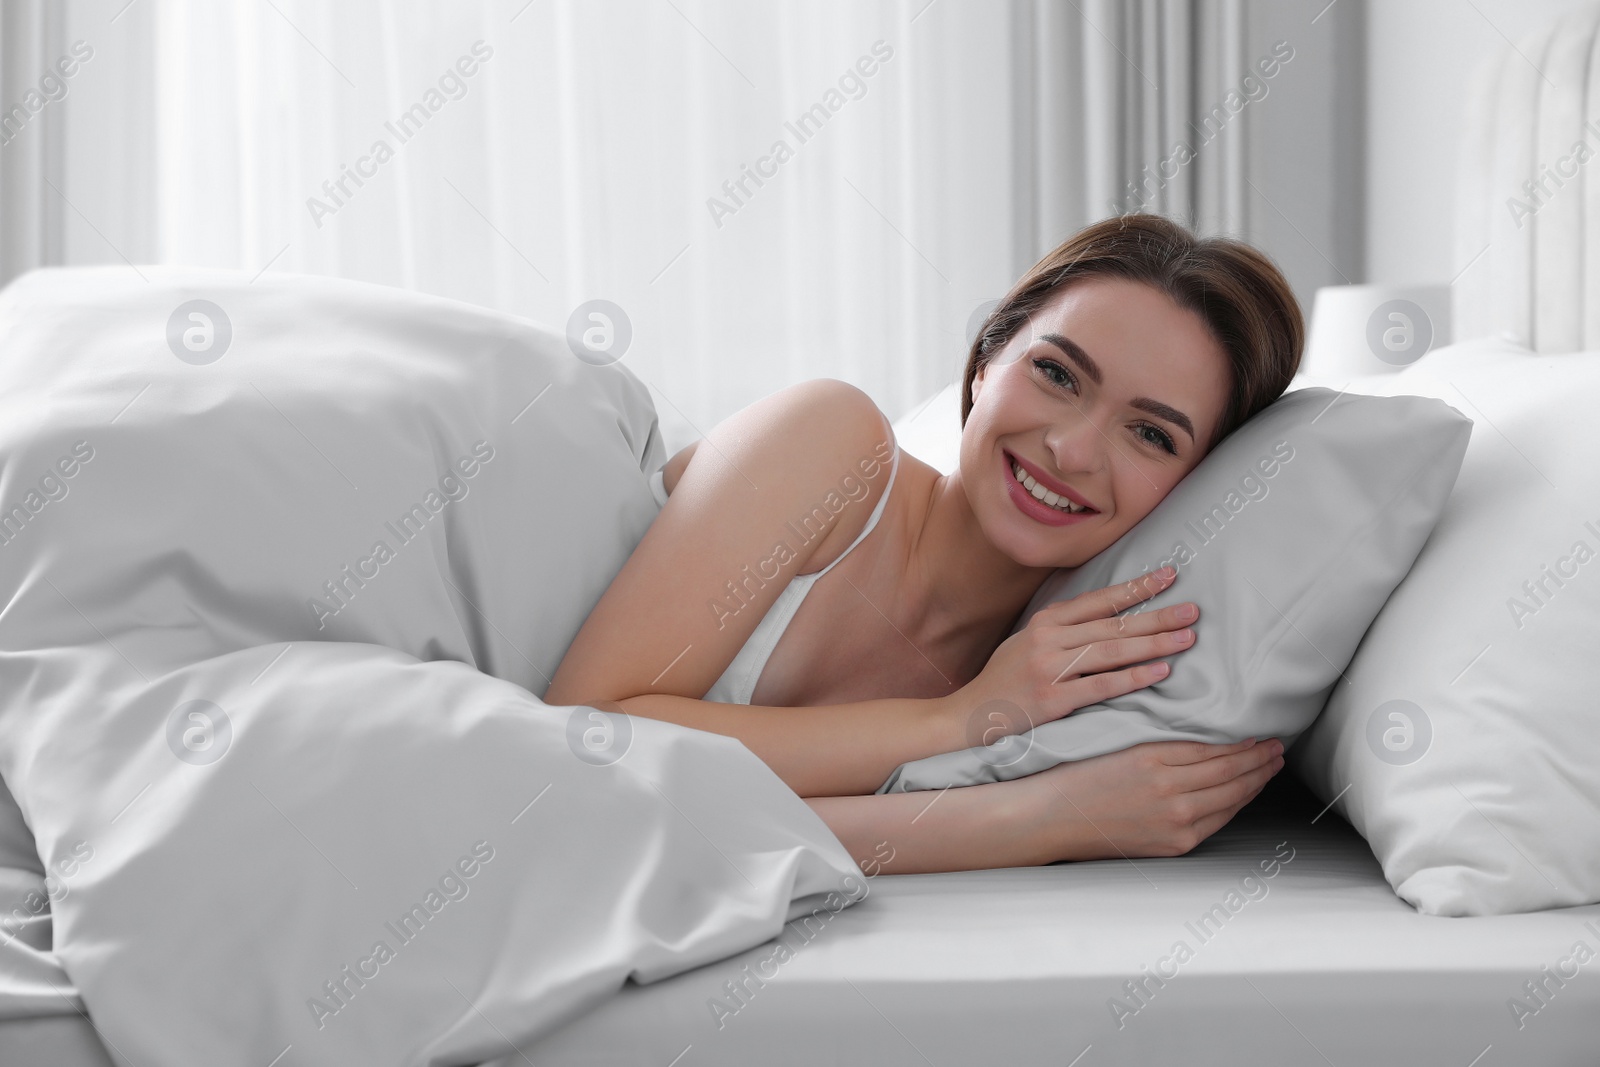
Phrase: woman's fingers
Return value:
(1103, 685)
(1226, 798)
(1225, 767)
(1179, 753)
(1104, 603)
(1210, 824)
(1095, 638)
(1119, 652)
(1103, 643)
(1136, 624)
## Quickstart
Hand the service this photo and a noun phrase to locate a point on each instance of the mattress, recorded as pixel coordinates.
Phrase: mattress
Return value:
(1316, 962)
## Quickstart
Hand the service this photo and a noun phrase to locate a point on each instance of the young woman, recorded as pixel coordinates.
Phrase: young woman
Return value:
(842, 608)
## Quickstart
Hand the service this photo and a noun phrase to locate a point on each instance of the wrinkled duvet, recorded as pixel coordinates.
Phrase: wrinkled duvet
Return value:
(284, 564)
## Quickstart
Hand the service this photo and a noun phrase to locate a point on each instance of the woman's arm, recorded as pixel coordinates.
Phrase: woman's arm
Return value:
(749, 508)
(1066, 657)
(1000, 824)
(823, 751)
(1161, 798)
(826, 751)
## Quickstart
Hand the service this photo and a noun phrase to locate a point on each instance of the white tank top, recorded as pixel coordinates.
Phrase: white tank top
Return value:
(739, 680)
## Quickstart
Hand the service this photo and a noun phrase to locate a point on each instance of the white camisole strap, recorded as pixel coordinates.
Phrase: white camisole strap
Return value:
(738, 682)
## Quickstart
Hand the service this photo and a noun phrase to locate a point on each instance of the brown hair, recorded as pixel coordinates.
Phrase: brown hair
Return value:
(1236, 289)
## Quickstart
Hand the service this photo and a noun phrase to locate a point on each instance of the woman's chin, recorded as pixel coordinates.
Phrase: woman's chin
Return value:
(1032, 551)
(1059, 547)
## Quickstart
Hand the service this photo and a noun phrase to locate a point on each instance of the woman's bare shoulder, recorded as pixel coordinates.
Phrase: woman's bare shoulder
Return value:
(828, 408)
(760, 496)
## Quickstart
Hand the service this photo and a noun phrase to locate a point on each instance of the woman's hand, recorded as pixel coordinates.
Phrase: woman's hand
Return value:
(1161, 798)
(1157, 799)
(1064, 659)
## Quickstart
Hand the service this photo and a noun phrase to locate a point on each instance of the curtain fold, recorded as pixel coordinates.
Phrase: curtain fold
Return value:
(1113, 103)
(31, 217)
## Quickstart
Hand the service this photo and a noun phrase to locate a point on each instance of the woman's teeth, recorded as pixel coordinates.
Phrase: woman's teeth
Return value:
(1040, 493)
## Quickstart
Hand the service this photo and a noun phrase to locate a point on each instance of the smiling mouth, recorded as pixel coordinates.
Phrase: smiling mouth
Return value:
(1045, 496)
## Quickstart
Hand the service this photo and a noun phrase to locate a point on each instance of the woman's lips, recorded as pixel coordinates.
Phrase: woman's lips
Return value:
(1050, 483)
(1034, 508)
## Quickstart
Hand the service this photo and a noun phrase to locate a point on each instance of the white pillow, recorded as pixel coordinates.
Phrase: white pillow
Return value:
(1464, 743)
(932, 431)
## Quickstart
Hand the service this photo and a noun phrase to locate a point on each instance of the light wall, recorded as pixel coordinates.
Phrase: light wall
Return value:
(1420, 57)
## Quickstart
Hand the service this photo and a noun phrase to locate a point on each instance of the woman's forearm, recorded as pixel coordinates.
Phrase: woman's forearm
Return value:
(998, 824)
(827, 751)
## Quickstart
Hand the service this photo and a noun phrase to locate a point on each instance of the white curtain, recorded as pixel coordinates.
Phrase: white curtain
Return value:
(30, 224)
(603, 150)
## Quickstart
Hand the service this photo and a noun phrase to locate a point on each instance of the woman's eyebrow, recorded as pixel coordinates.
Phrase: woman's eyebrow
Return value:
(1075, 352)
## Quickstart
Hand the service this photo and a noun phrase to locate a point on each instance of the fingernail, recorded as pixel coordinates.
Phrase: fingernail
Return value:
(1187, 611)
(1167, 572)
(1184, 636)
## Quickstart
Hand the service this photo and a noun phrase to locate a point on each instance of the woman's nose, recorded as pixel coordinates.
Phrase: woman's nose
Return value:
(1079, 445)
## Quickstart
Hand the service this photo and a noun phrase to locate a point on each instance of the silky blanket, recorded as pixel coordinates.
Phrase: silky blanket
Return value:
(285, 563)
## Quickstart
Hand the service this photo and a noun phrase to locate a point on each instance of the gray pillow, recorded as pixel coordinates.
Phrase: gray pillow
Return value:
(1290, 536)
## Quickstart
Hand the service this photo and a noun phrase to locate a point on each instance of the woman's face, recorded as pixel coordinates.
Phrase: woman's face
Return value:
(1108, 397)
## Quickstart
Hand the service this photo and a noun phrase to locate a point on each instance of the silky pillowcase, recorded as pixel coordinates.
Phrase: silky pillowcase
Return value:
(1289, 535)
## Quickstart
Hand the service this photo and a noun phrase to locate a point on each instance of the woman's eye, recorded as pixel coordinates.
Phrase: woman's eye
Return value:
(1147, 432)
(1157, 436)
(1046, 366)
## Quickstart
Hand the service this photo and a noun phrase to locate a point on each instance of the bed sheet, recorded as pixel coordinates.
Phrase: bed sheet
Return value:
(1079, 964)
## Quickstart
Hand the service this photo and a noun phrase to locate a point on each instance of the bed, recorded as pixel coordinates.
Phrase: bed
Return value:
(1206, 957)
